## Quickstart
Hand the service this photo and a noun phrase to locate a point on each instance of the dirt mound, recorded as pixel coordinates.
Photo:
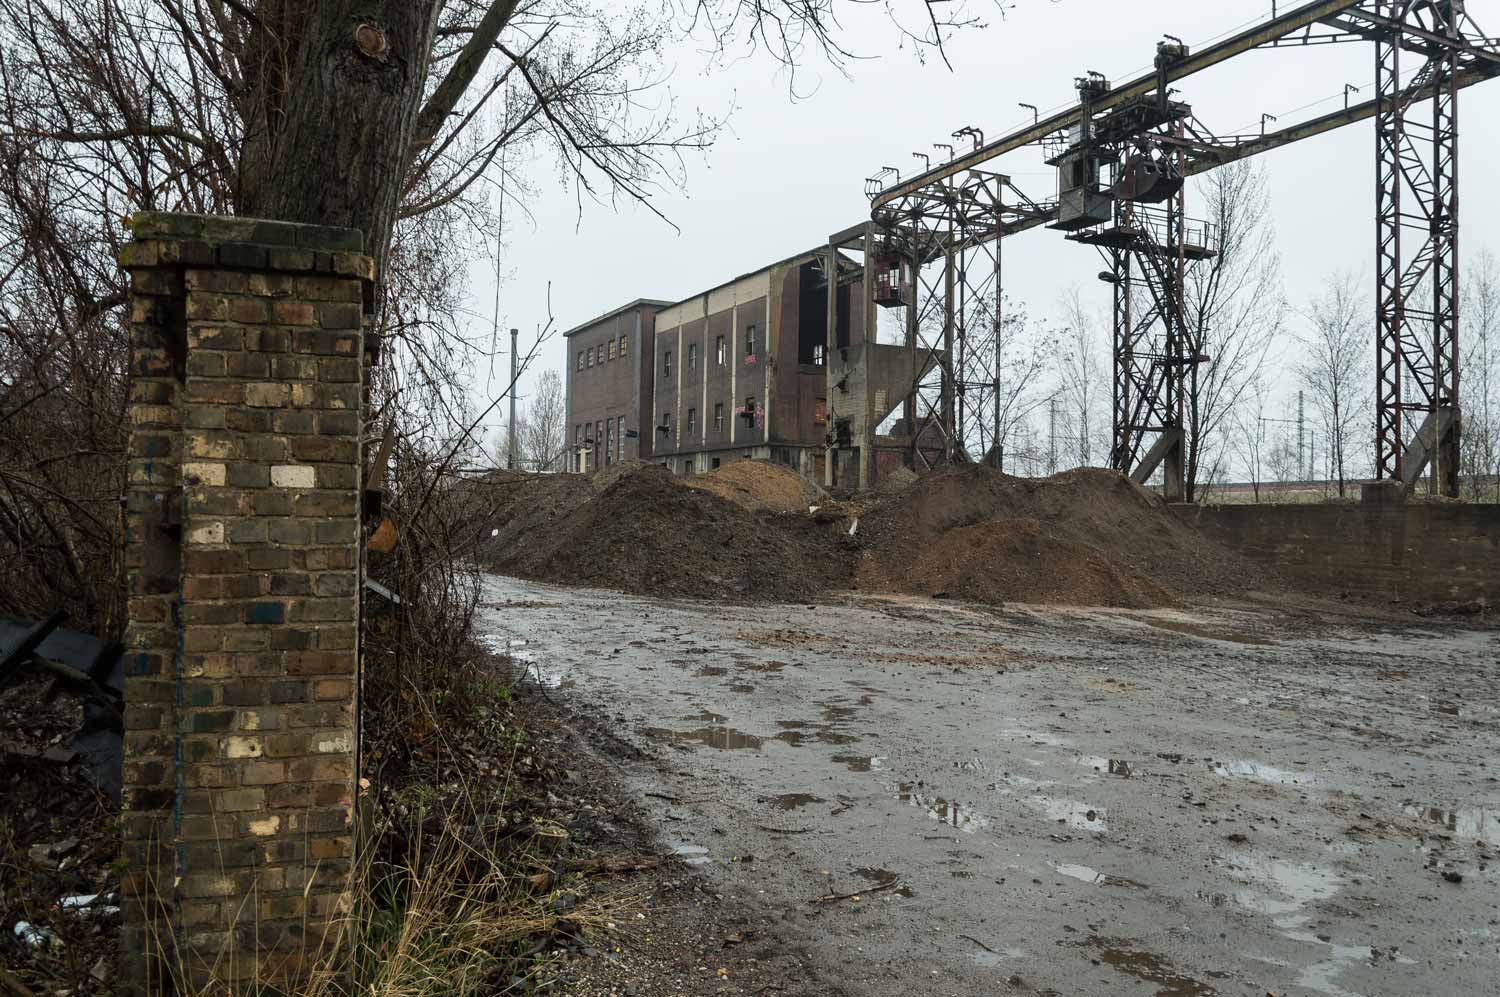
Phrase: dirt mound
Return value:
(896, 480)
(757, 485)
(648, 532)
(1085, 537)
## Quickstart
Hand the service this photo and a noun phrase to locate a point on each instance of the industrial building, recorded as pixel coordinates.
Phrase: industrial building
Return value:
(738, 371)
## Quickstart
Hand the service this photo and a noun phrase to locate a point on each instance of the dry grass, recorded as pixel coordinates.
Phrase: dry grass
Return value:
(452, 900)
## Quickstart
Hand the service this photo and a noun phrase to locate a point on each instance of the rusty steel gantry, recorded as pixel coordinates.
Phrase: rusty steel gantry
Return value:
(1122, 155)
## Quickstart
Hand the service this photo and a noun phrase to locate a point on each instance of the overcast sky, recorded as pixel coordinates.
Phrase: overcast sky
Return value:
(788, 171)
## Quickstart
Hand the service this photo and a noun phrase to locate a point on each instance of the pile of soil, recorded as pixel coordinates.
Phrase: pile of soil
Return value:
(1088, 537)
(646, 531)
(1084, 537)
(757, 484)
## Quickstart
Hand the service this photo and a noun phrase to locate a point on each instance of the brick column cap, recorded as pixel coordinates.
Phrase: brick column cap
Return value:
(164, 239)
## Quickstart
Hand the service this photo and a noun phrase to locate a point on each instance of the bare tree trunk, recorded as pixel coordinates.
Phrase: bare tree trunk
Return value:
(334, 143)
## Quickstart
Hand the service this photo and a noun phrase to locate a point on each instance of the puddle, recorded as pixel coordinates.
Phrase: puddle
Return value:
(710, 671)
(1320, 976)
(723, 738)
(1150, 968)
(792, 801)
(1207, 633)
(962, 816)
(743, 688)
(690, 853)
(1079, 816)
(761, 666)
(1086, 874)
(1261, 773)
(881, 877)
(991, 959)
(1110, 766)
(1036, 737)
(833, 714)
(822, 734)
(1470, 822)
(861, 763)
(1278, 888)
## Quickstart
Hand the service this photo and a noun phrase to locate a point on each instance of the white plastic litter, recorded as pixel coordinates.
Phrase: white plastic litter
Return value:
(102, 903)
(37, 938)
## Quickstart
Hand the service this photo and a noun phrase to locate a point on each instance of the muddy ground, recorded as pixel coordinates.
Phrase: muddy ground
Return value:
(1235, 799)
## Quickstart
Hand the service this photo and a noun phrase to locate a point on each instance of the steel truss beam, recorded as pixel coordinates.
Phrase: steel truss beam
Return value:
(1416, 207)
(949, 236)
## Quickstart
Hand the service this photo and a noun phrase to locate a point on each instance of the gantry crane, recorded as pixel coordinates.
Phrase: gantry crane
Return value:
(1122, 156)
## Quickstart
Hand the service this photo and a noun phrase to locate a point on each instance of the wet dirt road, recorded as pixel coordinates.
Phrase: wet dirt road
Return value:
(1215, 801)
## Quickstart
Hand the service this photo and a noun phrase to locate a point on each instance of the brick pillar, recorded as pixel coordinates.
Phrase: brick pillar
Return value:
(242, 550)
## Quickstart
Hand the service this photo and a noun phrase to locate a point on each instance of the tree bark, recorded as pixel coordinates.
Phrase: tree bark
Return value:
(334, 142)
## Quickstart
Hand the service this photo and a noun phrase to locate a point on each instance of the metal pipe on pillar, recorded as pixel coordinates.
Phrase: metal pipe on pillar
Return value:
(513, 457)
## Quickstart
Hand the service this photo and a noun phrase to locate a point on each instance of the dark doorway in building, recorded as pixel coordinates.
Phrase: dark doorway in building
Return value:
(812, 314)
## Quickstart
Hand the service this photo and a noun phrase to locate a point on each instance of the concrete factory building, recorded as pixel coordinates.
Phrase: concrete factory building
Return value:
(735, 372)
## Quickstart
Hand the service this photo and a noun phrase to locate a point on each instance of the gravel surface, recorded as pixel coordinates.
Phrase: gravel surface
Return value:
(880, 794)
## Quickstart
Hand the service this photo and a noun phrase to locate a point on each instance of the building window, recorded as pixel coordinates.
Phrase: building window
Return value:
(611, 349)
(750, 341)
(692, 420)
(624, 345)
(820, 411)
(589, 353)
(580, 360)
(692, 356)
(609, 438)
(620, 435)
(666, 423)
(666, 363)
(719, 351)
(598, 443)
(818, 354)
(718, 415)
(749, 411)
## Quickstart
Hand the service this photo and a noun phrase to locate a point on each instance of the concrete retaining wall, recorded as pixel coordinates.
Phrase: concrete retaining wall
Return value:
(1386, 551)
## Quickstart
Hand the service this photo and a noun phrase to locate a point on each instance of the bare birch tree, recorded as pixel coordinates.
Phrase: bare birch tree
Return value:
(543, 432)
(1234, 306)
(1334, 368)
(1479, 387)
(1082, 377)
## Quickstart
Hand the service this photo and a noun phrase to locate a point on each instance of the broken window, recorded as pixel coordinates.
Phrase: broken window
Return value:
(718, 415)
(666, 363)
(580, 360)
(818, 354)
(820, 411)
(692, 356)
(719, 351)
(620, 435)
(692, 419)
(611, 349)
(624, 342)
(590, 354)
(750, 341)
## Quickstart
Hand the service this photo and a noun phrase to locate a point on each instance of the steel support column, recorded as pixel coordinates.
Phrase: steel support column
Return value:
(1416, 250)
